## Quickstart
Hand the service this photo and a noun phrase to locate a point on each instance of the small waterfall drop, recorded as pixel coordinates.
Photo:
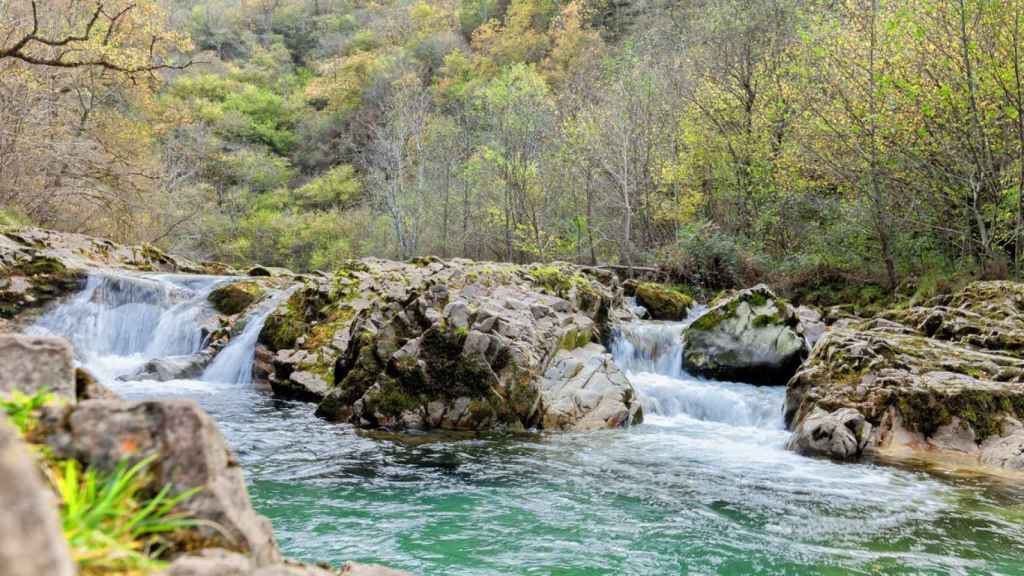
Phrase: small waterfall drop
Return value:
(234, 363)
(119, 321)
(651, 354)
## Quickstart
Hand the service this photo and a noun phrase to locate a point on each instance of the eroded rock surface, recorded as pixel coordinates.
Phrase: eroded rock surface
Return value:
(749, 336)
(34, 363)
(31, 540)
(945, 378)
(430, 344)
(192, 454)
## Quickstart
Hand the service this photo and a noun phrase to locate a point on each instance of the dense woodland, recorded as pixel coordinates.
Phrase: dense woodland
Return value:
(873, 144)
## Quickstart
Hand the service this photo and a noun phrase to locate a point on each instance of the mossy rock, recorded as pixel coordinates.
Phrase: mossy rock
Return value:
(663, 303)
(233, 298)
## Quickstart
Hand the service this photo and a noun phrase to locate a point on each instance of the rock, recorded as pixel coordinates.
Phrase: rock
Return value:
(354, 569)
(31, 539)
(173, 368)
(812, 323)
(454, 345)
(662, 303)
(584, 390)
(749, 336)
(234, 298)
(940, 381)
(34, 363)
(88, 388)
(219, 562)
(192, 454)
(841, 434)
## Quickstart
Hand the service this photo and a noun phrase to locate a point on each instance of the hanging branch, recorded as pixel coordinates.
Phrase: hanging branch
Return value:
(21, 50)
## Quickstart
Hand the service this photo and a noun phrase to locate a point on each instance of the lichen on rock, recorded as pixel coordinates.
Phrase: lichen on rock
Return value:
(749, 336)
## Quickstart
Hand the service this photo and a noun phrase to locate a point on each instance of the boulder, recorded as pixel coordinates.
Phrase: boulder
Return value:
(219, 562)
(31, 539)
(944, 380)
(234, 298)
(191, 454)
(34, 363)
(173, 367)
(842, 434)
(812, 324)
(433, 344)
(749, 336)
(584, 390)
(662, 303)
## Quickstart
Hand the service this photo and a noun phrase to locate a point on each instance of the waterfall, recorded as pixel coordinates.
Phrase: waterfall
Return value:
(234, 363)
(651, 354)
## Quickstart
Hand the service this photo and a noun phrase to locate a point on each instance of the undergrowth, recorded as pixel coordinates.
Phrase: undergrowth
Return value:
(112, 521)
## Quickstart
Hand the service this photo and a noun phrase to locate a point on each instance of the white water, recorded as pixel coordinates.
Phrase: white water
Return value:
(120, 321)
(651, 354)
(234, 363)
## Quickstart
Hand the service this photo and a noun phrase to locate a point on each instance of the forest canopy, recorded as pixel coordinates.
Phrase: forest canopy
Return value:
(862, 142)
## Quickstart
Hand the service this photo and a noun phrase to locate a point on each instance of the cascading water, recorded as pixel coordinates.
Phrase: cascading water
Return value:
(651, 354)
(119, 321)
(703, 487)
(234, 363)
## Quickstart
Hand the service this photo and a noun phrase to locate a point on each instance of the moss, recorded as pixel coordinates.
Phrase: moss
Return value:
(573, 339)
(236, 297)
(983, 410)
(392, 399)
(284, 327)
(663, 303)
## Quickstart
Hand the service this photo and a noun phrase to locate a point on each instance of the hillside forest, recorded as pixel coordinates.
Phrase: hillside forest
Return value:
(862, 147)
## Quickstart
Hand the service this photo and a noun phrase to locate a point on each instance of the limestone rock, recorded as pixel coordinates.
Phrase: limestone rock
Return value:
(749, 336)
(234, 298)
(942, 379)
(173, 367)
(841, 434)
(434, 344)
(33, 363)
(192, 454)
(31, 540)
(662, 303)
(584, 390)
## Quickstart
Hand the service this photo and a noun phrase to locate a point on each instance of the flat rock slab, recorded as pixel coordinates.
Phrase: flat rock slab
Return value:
(34, 363)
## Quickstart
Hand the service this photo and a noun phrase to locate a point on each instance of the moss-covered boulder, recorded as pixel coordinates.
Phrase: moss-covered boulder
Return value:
(748, 336)
(942, 380)
(663, 303)
(234, 298)
(450, 345)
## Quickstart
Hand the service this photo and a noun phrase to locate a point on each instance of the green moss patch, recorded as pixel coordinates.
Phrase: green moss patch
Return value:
(234, 298)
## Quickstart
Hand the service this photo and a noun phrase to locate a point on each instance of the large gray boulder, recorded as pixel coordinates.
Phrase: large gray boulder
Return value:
(750, 336)
(842, 434)
(430, 344)
(584, 390)
(192, 454)
(31, 540)
(34, 363)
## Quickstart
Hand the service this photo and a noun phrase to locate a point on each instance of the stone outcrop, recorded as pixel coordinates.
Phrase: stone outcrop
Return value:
(37, 266)
(748, 336)
(219, 562)
(661, 303)
(583, 390)
(31, 364)
(429, 344)
(191, 454)
(941, 380)
(31, 540)
(235, 297)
